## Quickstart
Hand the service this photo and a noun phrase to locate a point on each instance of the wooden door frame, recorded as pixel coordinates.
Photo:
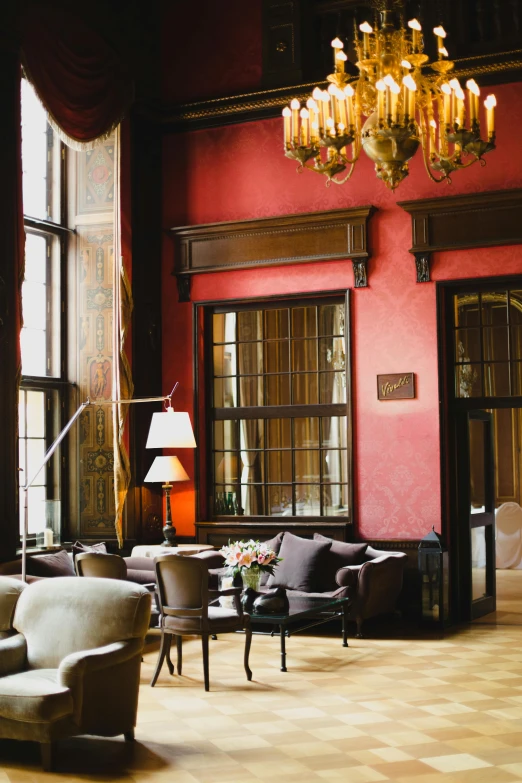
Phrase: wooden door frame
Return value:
(450, 410)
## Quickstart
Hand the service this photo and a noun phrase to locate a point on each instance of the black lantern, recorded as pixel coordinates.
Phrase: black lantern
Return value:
(433, 569)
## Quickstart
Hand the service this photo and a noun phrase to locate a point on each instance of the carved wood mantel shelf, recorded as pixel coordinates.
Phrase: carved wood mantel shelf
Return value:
(289, 239)
(458, 222)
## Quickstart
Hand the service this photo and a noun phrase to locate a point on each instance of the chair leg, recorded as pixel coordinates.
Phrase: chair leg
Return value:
(359, 633)
(170, 665)
(46, 755)
(179, 646)
(129, 736)
(248, 642)
(204, 644)
(161, 657)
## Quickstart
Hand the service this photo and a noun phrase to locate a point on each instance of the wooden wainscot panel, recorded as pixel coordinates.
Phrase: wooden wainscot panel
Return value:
(290, 239)
(457, 222)
(397, 386)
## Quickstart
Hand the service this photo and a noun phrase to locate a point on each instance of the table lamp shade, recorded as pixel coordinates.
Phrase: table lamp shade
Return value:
(165, 469)
(171, 429)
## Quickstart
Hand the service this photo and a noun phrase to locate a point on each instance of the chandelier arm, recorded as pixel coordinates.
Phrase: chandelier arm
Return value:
(425, 156)
(346, 178)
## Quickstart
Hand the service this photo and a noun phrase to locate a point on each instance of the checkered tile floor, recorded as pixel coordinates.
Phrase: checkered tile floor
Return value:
(418, 710)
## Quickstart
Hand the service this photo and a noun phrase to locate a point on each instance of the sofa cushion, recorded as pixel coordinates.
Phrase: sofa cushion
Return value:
(34, 696)
(301, 565)
(57, 564)
(275, 544)
(340, 555)
(78, 548)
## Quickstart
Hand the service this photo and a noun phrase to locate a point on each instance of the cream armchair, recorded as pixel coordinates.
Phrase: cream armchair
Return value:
(10, 591)
(74, 665)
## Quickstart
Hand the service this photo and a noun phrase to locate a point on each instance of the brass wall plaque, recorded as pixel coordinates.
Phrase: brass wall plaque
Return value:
(398, 386)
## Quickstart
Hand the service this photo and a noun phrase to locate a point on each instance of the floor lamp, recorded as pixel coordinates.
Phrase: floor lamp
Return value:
(162, 437)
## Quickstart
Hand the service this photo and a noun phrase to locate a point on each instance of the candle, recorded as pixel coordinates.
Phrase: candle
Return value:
(325, 107)
(48, 538)
(381, 89)
(304, 127)
(395, 91)
(330, 126)
(334, 103)
(415, 28)
(341, 106)
(460, 107)
(409, 96)
(474, 93)
(312, 107)
(295, 106)
(446, 90)
(340, 59)
(455, 87)
(366, 29)
(349, 93)
(440, 32)
(433, 134)
(336, 45)
(287, 114)
(490, 104)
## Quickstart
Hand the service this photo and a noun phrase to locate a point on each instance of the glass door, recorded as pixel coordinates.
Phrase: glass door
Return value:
(477, 510)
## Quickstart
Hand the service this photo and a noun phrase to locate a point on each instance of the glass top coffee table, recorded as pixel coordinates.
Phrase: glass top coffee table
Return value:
(322, 610)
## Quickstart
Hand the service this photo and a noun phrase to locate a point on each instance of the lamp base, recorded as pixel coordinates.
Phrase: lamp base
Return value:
(169, 534)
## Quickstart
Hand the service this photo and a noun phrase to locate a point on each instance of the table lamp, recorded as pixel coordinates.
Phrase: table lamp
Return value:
(167, 469)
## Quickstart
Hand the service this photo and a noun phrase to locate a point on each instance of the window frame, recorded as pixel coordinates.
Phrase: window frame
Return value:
(205, 414)
(57, 386)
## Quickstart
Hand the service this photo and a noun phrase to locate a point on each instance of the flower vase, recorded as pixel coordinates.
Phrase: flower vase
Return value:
(251, 578)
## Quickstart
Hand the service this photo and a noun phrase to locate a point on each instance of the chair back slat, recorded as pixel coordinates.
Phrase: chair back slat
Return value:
(182, 586)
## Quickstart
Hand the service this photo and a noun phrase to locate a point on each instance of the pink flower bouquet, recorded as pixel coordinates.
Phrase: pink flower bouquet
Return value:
(252, 556)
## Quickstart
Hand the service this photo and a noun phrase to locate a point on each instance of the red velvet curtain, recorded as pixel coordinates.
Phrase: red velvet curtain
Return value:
(79, 76)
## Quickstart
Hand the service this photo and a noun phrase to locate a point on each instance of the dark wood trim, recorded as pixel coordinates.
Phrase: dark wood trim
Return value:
(276, 411)
(219, 532)
(258, 105)
(458, 222)
(288, 239)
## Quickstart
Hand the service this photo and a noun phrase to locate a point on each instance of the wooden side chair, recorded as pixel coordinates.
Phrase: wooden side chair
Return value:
(101, 565)
(183, 592)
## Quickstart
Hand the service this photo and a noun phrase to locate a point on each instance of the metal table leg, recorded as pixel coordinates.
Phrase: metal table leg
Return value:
(345, 625)
(282, 634)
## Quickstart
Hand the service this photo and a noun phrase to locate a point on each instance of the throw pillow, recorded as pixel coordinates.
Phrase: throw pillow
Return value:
(341, 554)
(77, 548)
(57, 564)
(302, 564)
(275, 544)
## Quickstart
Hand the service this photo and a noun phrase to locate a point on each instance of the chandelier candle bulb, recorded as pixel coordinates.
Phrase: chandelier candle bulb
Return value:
(304, 127)
(334, 102)
(337, 45)
(409, 96)
(395, 91)
(366, 29)
(440, 32)
(433, 135)
(381, 90)
(474, 94)
(447, 92)
(461, 103)
(340, 59)
(349, 92)
(312, 108)
(287, 115)
(415, 28)
(295, 106)
(490, 104)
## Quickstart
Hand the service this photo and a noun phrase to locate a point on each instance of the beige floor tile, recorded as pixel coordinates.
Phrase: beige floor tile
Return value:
(455, 763)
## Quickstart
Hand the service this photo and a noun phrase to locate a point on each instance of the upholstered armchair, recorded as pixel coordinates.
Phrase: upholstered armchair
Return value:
(375, 584)
(10, 591)
(74, 664)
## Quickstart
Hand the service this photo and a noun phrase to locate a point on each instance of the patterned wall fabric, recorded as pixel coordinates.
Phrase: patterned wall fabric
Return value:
(95, 354)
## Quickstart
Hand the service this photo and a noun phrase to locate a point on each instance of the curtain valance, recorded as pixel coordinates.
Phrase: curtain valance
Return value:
(81, 79)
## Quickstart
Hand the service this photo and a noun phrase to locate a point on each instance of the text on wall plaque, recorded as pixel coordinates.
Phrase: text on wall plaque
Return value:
(398, 386)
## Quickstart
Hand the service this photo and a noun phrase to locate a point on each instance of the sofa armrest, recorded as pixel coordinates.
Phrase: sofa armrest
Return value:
(75, 667)
(379, 585)
(348, 576)
(13, 654)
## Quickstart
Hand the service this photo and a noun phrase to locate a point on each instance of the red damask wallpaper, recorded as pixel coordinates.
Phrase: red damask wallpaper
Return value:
(240, 172)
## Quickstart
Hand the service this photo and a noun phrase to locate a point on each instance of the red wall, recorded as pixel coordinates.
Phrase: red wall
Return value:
(240, 172)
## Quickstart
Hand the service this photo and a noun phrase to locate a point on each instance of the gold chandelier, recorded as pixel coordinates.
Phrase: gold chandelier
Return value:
(404, 107)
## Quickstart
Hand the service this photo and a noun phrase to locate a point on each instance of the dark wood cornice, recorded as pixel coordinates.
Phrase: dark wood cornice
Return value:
(288, 239)
(266, 104)
(458, 222)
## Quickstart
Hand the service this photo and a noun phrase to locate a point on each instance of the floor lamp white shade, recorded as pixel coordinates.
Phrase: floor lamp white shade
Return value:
(171, 430)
